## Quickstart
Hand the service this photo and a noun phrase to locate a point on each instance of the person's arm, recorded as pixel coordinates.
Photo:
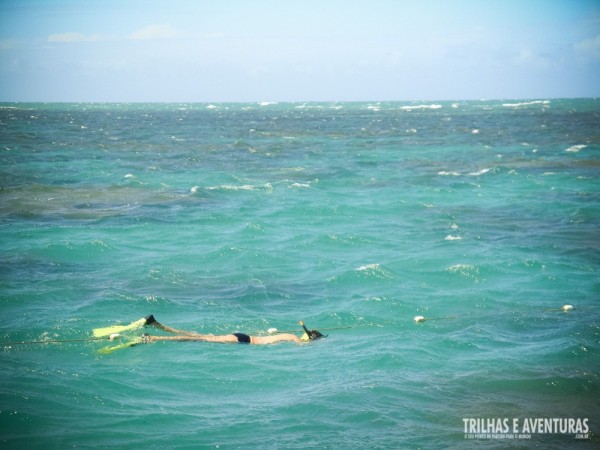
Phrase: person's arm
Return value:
(283, 337)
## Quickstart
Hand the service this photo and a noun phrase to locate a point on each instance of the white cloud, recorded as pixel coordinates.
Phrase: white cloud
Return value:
(151, 32)
(528, 57)
(589, 48)
(71, 37)
(155, 32)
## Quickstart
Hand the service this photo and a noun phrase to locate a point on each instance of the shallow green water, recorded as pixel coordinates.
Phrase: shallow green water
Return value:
(242, 217)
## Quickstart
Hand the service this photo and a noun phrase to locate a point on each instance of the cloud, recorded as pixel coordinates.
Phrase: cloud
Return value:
(7, 44)
(589, 48)
(71, 37)
(155, 32)
(528, 57)
(151, 32)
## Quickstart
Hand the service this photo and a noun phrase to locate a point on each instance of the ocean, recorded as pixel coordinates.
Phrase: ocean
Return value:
(482, 217)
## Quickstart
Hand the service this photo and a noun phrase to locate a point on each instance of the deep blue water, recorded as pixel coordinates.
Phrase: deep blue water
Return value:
(241, 217)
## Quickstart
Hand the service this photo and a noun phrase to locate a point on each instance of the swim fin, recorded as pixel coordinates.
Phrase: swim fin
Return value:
(108, 350)
(107, 331)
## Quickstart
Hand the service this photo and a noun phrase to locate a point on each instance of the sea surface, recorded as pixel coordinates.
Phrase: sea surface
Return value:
(482, 216)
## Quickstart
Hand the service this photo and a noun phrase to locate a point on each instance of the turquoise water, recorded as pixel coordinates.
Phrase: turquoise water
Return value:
(242, 217)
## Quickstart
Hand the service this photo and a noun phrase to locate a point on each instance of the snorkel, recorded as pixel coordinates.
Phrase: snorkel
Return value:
(309, 335)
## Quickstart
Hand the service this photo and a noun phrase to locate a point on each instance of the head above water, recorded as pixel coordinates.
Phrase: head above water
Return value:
(310, 335)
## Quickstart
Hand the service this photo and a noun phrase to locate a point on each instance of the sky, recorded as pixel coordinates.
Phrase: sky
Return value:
(297, 50)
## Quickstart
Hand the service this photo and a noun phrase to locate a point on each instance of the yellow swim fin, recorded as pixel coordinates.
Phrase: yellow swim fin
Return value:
(107, 331)
(108, 350)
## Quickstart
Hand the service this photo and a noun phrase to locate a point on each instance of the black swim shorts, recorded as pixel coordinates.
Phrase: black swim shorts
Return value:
(242, 338)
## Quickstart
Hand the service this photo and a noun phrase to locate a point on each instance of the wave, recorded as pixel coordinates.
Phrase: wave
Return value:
(368, 267)
(309, 106)
(299, 185)
(452, 238)
(464, 270)
(234, 187)
(533, 102)
(375, 271)
(575, 148)
(367, 272)
(231, 187)
(411, 107)
(479, 172)
(461, 267)
(446, 173)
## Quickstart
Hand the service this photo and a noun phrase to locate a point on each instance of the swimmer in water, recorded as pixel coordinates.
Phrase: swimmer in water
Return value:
(234, 338)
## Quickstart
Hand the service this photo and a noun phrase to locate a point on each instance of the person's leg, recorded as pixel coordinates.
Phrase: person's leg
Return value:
(150, 320)
(224, 339)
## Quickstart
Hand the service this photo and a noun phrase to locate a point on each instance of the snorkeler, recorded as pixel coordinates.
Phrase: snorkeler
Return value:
(234, 338)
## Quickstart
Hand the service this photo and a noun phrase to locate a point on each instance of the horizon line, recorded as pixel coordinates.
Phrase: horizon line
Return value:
(276, 102)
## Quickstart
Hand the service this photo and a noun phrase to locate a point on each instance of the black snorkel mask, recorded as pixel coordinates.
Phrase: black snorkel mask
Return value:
(310, 335)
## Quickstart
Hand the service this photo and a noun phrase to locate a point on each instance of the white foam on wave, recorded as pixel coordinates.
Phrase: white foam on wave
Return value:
(479, 172)
(309, 106)
(575, 148)
(452, 238)
(368, 267)
(464, 270)
(267, 103)
(236, 187)
(460, 267)
(375, 271)
(453, 173)
(411, 107)
(231, 187)
(533, 102)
